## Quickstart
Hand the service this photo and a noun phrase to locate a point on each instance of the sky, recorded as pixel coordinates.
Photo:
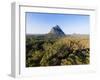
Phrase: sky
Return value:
(41, 23)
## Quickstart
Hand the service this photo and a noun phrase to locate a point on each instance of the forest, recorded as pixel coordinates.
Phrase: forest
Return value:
(57, 51)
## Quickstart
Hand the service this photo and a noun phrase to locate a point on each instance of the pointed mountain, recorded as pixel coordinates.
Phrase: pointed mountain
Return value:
(57, 31)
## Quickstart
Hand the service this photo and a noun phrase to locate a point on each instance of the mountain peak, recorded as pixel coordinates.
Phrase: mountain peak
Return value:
(57, 26)
(56, 30)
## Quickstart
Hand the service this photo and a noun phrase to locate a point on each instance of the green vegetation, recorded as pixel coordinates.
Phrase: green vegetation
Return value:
(42, 51)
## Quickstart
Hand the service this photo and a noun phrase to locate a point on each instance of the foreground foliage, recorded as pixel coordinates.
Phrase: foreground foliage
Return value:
(59, 51)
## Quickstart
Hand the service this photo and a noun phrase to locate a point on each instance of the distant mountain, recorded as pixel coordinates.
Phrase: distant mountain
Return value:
(56, 31)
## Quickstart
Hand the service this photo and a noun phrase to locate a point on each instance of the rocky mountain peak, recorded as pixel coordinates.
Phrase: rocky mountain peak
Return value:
(56, 30)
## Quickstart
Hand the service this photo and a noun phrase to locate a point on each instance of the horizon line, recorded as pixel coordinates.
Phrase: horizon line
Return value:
(65, 34)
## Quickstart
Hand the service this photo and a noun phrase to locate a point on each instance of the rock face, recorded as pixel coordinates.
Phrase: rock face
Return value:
(56, 30)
